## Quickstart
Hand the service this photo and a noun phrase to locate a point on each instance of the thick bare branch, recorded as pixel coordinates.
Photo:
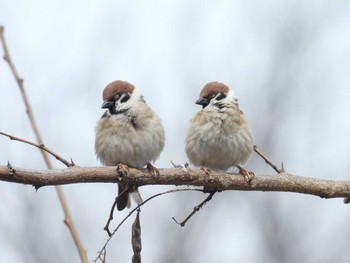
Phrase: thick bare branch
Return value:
(178, 176)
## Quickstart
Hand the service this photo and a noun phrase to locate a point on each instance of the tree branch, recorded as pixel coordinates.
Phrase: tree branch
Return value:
(195, 209)
(67, 217)
(220, 181)
(41, 147)
(106, 228)
(263, 156)
(137, 208)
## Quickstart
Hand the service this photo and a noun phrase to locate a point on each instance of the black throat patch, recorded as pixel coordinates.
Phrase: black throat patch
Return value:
(112, 111)
(120, 111)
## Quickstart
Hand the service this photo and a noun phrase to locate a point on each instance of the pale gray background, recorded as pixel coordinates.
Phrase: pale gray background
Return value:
(288, 63)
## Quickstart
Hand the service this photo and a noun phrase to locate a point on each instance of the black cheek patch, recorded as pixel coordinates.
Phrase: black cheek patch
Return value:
(221, 96)
(112, 110)
(125, 98)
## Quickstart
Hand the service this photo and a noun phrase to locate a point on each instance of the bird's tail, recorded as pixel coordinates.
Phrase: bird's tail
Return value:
(123, 195)
(136, 196)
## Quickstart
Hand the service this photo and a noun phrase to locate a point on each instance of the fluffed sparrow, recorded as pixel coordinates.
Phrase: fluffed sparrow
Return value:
(219, 136)
(128, 133)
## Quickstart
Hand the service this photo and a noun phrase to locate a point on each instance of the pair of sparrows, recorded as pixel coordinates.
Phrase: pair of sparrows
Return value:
(130, 133)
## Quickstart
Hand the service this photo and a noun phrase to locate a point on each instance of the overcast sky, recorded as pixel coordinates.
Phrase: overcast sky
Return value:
(288, 63)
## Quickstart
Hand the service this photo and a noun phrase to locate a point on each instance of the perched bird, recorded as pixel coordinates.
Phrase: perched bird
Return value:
(219, 136)
(129, 134)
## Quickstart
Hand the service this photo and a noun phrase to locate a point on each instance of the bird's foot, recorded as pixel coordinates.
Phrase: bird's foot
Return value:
(122, 170)
(153, 170)
(248, 175)
(206, 170)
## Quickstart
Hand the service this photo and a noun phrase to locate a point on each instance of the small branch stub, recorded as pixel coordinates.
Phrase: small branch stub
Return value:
(12, 170)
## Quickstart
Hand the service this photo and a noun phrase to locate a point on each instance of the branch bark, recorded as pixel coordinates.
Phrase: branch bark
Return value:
(220, 181)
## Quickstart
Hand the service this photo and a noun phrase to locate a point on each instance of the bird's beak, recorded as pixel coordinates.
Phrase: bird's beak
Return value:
(202, 101)
(107, 104)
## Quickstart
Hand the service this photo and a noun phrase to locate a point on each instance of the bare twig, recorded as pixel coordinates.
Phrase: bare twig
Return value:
(257, 150)
(174, 165)
(20, 81)
(101, 256)
(195, 209)
(182, 166)
(42, 147)
(137, 209)
(68, 220)
(126, 189)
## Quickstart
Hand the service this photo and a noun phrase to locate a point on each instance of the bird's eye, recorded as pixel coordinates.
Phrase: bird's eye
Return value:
(125, 97)
(221, 96)
(117, 97)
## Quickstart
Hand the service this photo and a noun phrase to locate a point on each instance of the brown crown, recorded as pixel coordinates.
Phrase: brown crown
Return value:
(213, 87)
(116, 87)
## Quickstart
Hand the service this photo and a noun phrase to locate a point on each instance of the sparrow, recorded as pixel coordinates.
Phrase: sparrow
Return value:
(129, 134)
(219, 136)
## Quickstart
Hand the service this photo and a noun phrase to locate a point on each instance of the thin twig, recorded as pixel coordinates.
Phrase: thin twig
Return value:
(257, 150)
(20, 81)
(68, 219)
(101, 256)
(104, 256)
(126, 189)
(182, 166)
(41, 147)
(195, 209)
(137, 208)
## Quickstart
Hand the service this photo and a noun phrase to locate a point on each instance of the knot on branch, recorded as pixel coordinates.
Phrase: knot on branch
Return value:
(11, 169)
